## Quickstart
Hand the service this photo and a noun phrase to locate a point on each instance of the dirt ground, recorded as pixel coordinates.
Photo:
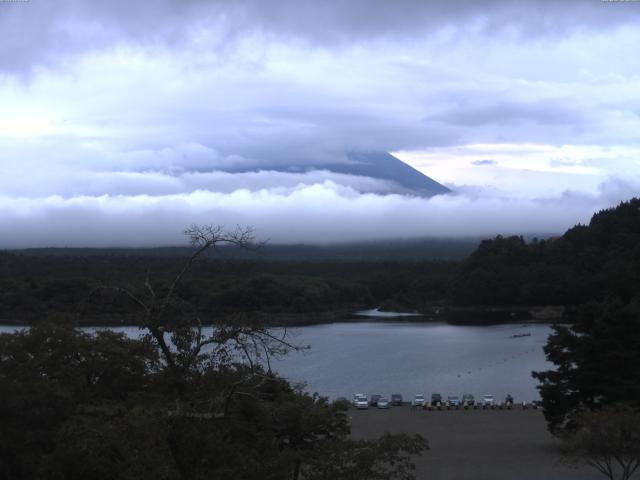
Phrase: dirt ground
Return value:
(475, 444)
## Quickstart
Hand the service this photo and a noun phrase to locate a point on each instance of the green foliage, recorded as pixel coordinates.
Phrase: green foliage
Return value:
(47, 373)
(33, 288)
(597, 362)
(109, 441)
(607, 440)
(587, 263)
(101, 406)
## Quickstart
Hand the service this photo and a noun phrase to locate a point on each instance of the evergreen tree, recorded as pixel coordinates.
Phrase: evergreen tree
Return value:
(597, 362)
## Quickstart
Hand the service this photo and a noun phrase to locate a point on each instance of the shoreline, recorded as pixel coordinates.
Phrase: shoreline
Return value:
(453, 315)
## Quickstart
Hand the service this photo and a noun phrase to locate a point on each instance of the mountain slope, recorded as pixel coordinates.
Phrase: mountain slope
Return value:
(385, 166)
(397, 175)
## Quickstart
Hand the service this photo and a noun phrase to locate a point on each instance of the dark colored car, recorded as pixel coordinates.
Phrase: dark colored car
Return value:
(468, 400)
(396, 399)
(436, 398)
(374, 400)
(453, 401)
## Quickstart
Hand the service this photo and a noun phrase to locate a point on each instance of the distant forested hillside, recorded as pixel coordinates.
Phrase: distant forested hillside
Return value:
(587, 263)
(409, 250)
(271, 280)
(34, 287)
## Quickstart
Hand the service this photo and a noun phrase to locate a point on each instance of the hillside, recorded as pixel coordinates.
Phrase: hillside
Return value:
(589, 262)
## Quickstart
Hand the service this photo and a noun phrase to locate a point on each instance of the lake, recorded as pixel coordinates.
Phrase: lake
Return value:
(410, 358)
(387, 357)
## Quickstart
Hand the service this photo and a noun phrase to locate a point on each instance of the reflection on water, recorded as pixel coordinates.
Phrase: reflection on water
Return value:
(410, 358)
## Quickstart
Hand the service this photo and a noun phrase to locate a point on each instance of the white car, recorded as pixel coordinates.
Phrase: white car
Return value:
(418, 400)
(360, 401)
(488, 401)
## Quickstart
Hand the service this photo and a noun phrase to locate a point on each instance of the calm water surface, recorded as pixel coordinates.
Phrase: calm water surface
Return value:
(408, 358)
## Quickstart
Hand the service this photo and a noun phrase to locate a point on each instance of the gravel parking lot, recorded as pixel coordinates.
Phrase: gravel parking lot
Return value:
(475, 444)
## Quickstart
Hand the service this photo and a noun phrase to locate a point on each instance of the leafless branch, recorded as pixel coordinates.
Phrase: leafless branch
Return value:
(243, 347)
(204, 237)
(267, 357)
(147, 284)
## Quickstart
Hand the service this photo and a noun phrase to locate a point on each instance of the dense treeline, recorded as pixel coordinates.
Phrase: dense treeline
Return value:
(32, 287)
(397, 250)
(592, 395)
(587, 263)
(597, 362)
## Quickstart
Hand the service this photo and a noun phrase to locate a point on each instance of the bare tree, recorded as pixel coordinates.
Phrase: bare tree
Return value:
(182, 343)
(607, 440)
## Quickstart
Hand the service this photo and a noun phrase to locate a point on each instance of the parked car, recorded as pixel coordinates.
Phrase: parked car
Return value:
(436, 399)
(468, 400)
(418, 400)
(488, 401)
(357, 397)
(453, 401)
(374, 400)
(360, 401)
(396, 399)
(382, 403)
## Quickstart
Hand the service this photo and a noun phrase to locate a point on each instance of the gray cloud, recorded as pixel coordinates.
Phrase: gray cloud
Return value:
(44, 32)
(481, 163)
(545, 111)
(155, 111)
(240, 80)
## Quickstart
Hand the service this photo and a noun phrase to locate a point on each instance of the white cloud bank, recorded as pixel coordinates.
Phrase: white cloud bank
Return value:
(320, 213)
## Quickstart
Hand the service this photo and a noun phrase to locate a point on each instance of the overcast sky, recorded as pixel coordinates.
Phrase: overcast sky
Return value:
(120, 121)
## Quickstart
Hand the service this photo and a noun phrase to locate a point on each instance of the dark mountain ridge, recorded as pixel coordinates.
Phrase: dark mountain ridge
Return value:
(377, 165)
(383, 165)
